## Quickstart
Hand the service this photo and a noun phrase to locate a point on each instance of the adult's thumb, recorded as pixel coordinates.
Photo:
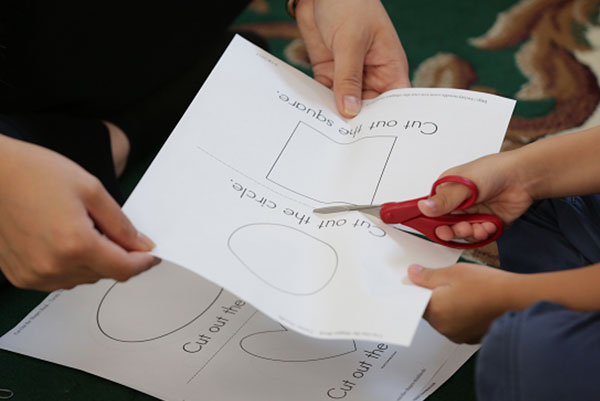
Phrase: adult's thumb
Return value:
(349, 63)
(110, 219)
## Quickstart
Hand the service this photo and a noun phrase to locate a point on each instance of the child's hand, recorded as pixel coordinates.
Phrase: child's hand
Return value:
(501, 193)
(466, 298)
(353, 48)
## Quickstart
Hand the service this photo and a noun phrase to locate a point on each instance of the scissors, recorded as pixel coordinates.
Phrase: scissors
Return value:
(408, 214)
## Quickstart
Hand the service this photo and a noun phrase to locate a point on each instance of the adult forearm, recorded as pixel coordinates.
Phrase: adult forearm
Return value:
(7, 159)
(561, 166)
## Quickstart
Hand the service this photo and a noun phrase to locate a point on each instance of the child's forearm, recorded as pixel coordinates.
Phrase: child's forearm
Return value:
(577, 289)
(561, 166)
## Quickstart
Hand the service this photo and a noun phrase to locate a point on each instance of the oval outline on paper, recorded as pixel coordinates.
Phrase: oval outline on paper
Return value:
(151, 338)
(335, 254)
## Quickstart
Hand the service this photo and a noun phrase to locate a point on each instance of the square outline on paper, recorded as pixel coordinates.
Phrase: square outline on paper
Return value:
(341, 143)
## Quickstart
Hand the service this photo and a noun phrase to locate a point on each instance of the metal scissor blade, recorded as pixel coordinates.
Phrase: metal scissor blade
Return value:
(343, 208)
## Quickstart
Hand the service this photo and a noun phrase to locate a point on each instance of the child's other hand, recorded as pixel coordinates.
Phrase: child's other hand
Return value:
(466, 298)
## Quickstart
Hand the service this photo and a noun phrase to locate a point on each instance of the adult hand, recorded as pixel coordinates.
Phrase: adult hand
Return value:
(502, 192)
(353, 48)
(48, 212)
(466, 298)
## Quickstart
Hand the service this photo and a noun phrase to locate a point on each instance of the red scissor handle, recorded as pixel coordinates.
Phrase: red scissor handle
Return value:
(408, 213)
(459, 180)
(427, 226)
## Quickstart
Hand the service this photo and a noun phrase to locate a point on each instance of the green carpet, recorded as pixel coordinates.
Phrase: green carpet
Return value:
(543, 53)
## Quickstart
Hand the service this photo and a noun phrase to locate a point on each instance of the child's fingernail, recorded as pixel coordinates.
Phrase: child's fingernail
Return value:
(429, 203)
(415, 269)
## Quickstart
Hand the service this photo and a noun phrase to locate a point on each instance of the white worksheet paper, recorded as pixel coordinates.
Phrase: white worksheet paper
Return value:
(231, 193)
(229, 198)
(172, 334)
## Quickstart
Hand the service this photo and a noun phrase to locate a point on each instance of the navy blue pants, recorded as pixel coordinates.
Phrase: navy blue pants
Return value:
(546, 352)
